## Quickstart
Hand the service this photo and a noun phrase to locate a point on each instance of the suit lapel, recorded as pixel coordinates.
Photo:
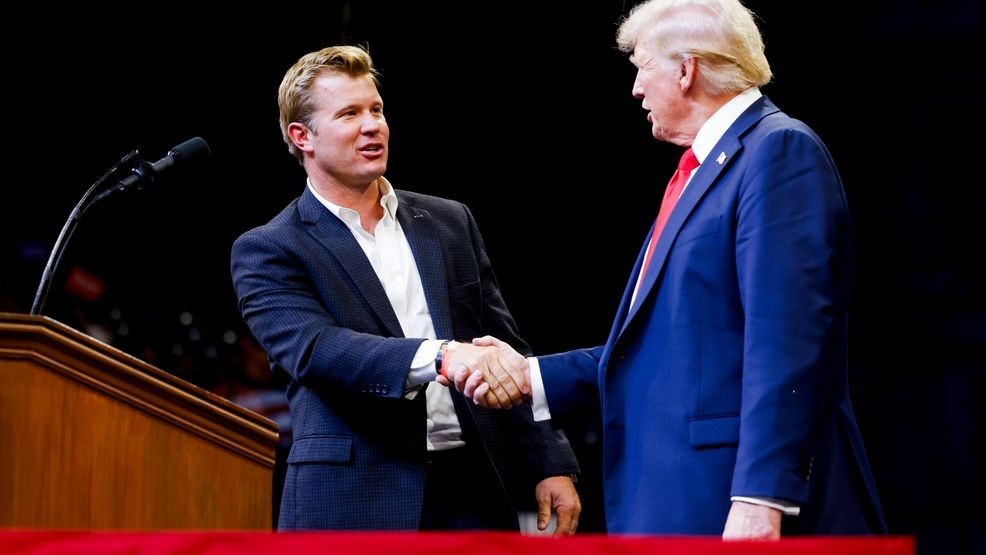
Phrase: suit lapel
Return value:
(423, 238)
(721, 156)
(333, 234)
(704, 177)
(419, 228)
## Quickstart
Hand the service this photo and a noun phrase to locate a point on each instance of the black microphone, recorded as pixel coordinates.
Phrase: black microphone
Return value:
(191, 153)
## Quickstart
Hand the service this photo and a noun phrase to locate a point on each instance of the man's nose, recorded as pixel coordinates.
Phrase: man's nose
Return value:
(370, 124)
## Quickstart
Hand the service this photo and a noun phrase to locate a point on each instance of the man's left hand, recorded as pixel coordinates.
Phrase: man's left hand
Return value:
(747, 521)
(558, 494)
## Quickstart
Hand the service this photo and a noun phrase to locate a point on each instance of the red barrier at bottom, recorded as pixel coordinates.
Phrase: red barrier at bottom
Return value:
(432, 543)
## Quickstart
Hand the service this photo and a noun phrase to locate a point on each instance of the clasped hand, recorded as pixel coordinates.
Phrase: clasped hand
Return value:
(488, 371)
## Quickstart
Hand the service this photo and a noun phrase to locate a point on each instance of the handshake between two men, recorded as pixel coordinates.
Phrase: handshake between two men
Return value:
(488, 371)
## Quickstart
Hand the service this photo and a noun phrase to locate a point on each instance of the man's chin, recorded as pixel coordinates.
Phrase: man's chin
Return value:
(375, 171)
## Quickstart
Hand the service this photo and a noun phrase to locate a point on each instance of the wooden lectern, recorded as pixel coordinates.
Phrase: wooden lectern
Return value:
(93, 438)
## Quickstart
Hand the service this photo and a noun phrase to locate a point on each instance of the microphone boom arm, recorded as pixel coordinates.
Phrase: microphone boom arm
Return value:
(188, 154)
(69, 228)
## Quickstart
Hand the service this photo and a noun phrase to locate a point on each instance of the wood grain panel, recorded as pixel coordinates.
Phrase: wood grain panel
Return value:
(93, 438)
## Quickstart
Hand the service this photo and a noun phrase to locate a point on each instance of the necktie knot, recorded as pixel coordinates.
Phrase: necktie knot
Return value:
(688, 161)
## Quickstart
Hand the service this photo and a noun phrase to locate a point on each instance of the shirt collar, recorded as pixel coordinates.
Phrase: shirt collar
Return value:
(388, 199)
(716, 126)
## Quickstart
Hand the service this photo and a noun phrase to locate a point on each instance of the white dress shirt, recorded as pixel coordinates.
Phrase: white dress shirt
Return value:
(390, 256)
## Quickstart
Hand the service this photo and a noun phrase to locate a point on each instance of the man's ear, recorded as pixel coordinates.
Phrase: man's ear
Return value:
(688, 69)
(300, 135)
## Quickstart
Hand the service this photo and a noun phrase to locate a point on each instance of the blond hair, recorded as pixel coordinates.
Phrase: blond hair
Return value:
(720, 34)
(294, 98)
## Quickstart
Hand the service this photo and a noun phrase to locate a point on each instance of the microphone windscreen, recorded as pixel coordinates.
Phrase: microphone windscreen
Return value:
(191, 152)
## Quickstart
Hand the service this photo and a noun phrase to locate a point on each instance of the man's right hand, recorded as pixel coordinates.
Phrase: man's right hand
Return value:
(491, 375)
(479, 385)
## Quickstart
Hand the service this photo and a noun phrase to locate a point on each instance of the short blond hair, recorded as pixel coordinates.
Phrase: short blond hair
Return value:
(720, 34)
(294, 99)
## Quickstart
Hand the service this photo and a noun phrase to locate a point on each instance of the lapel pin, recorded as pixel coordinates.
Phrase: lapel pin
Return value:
(721, 158)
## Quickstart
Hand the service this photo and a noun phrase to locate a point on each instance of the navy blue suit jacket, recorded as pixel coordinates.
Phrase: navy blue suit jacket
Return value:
(312, 300)
(728, 376)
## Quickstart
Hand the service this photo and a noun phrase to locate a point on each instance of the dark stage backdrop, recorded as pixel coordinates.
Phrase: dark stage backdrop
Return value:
(523, 111)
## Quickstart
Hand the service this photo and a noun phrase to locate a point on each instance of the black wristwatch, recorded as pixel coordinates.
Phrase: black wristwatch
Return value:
(440, 357)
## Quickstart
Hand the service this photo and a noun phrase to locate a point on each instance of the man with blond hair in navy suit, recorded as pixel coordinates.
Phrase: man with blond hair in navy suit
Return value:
(356, 291)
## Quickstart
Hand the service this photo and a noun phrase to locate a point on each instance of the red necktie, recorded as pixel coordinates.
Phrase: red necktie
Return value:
(687, 163)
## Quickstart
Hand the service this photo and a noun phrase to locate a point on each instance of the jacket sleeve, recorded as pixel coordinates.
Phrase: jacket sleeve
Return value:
(792, 269)
(279, 304)
(571, 382)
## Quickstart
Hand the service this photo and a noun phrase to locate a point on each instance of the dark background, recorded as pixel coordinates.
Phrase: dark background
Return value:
(523, 111)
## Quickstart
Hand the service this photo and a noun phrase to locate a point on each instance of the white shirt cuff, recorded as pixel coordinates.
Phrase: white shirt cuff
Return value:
(539, 399)
(785, 507)
(423, 364)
